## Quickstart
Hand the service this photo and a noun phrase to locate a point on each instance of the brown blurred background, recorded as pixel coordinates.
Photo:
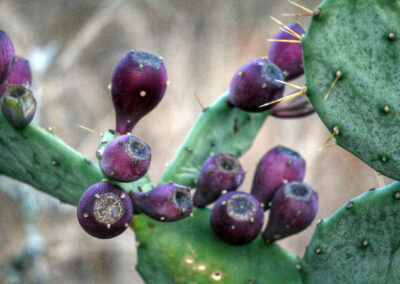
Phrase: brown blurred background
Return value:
(73, 46)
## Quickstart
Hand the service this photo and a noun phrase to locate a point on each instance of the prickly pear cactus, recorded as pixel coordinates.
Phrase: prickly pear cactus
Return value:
(353, 48)
(188, 251)
(359, 243)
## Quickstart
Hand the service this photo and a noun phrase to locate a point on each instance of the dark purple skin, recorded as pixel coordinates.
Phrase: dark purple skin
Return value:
(220, 172)
(295, 108)
(20, 74)
(104, 210)
(126, 158)
(277, 166)
(254, 85)
(7, 55)
(138, 84)
(294, 207)
(288, 55)
(237, 218)
(167, 202)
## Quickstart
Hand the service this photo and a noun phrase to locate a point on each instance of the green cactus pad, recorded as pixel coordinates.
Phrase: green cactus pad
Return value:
(219, 129)
(360, 243)
(188, 252)
(356, 37)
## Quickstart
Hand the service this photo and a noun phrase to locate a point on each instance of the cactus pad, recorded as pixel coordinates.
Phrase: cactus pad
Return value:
(189, 252)
(359, 243)
(362, 40)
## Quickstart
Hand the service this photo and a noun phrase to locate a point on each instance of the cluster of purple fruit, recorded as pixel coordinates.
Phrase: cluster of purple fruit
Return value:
(105, 210)
(237, 217)
(18, 104)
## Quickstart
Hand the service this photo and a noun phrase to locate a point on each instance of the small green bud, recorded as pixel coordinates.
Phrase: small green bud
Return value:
(18, 105)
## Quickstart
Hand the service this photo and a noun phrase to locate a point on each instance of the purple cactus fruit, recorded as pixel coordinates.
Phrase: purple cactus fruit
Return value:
(294, 207)
(237, 218)
(288, 55)
(167, 202)
(6, 56)
(126, 158)
(254, 85)
(20, 74)
(295, 108)
(220, 172)
(277, 166)
(18, 105)
(104, 210)
(138, 84)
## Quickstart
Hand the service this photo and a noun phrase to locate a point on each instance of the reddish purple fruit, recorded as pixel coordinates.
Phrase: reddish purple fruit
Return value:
(288, 55)
(237, 218)
(220, 172)
(294, 207)
(166, 203)
(6, 56)
(138, 84)
(126, 158)
(298, 107)
(104, 210)
(254, 84)
(277, 166)
(20, 74)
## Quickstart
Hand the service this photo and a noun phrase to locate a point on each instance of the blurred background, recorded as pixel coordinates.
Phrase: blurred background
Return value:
(73, 46)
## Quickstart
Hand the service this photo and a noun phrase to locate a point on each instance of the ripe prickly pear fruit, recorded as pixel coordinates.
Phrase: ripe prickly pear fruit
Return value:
(277, 166)
(237, 218)
(104, 210)
(220, 172)
(167, 202)
(126, 158)
(20, 74)
(138, 84)
(298, 107)
(18, 105)
(6, 56)
(288, 56)
(293, 208)
(254, 85)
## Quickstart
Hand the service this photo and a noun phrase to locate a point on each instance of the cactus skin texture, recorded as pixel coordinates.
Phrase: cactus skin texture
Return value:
(20, 74)
(219, 129)
(359, 243)
(355, 38)
(138, 84)
(220, 172)
(188, 252)
(288, 56)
